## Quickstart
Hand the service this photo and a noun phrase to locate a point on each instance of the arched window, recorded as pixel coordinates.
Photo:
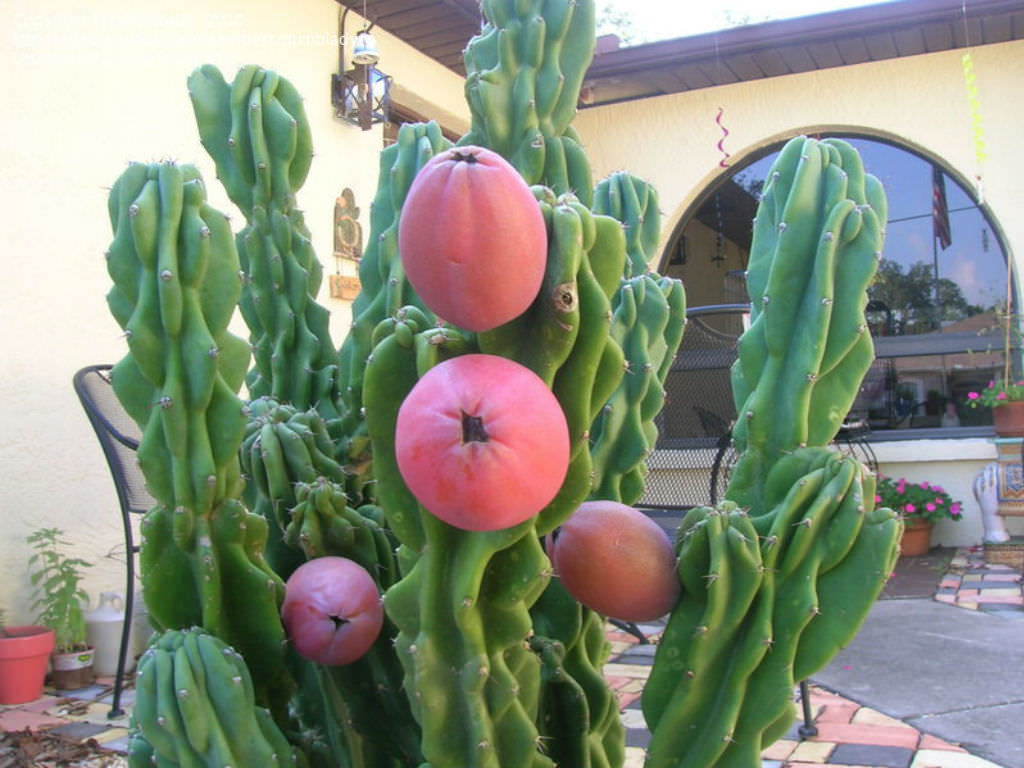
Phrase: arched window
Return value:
(935, 307)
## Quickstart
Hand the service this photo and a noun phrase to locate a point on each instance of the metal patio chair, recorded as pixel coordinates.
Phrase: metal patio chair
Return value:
(119, 437)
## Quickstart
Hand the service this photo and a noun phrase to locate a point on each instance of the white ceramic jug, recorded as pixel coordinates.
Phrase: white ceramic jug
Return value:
(103, 628)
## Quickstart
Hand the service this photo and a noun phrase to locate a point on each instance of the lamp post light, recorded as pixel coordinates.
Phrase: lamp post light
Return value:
(360, 94)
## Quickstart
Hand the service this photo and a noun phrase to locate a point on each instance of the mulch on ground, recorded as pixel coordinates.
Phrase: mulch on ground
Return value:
(43, 749)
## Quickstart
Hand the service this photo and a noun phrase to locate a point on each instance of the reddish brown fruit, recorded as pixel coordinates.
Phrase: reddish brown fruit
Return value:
(482, 443)
(473, 239)
(617, 561)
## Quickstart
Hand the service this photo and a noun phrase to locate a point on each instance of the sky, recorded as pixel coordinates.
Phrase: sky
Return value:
(665, 19)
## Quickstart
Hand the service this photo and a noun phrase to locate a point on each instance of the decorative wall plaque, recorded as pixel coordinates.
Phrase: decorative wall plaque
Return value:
(348, 232)
(344, 287)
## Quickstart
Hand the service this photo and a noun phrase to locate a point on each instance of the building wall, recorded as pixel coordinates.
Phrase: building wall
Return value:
(921, 102)
(90, 88)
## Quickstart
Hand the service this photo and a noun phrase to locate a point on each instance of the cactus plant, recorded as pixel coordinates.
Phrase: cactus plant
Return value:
(768, 591)
(482, 658)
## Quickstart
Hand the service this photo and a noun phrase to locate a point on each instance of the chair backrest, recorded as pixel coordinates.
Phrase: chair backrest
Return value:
(699, 388)
(118, 435)
(694, 446)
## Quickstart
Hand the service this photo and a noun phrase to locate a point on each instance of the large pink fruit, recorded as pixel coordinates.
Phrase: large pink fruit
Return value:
(473, 239)
(482, 442)
(332, 610)
(617, 561)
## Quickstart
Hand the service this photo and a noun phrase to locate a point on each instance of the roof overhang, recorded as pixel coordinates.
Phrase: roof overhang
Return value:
(441, 28)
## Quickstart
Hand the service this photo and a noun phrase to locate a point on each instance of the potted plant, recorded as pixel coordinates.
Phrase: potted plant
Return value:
(1005, 393)
(921, 505)
(24, 651)
(60, 602)
(1006, 399)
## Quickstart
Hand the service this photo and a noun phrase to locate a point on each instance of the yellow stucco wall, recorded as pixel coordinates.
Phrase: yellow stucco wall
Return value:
(90, 88)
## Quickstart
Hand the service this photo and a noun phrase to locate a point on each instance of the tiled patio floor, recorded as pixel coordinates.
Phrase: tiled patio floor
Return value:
(848, 734)
(971, 583)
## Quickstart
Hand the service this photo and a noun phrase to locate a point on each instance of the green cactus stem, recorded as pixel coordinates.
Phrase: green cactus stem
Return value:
(384, 292)
(257, 133)
(633, 202)
(523, 77)
(195, 706)
(578, 717)
(817, 241)
(768, 576)
(175, 274)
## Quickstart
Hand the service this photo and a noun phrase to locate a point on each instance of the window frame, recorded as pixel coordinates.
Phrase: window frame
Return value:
(889, 347)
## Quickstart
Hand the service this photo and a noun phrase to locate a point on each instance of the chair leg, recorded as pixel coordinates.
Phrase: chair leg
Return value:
(126, 628)
(631, 628)
(808, 729)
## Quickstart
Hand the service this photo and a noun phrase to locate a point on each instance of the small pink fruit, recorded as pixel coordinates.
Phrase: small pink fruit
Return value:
(616, 561)
(332, 610)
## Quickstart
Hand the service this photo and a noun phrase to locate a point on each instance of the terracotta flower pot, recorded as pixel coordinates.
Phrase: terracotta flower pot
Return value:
(1008, 419)
(917, 537)
(23, 657)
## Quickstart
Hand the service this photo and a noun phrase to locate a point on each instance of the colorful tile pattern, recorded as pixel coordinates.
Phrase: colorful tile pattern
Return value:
(973, 584)
(848, 734)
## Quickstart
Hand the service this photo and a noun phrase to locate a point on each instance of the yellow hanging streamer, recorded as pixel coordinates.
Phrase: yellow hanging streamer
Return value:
(974, 107)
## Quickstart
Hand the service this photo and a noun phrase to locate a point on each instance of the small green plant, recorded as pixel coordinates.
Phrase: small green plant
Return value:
(58, 596)
(916, 501)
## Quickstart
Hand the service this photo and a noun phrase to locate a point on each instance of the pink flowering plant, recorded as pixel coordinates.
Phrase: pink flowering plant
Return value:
(997, 393)
(919, 501)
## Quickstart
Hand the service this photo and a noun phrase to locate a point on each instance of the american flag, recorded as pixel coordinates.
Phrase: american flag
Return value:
(940, 210)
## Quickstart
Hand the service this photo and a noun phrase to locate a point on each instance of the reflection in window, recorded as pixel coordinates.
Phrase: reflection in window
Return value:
(935, 307)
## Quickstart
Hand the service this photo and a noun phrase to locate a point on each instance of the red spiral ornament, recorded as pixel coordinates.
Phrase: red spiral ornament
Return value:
(721, 142)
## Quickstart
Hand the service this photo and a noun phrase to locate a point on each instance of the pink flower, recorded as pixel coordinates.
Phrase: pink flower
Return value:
(901, 486)
(1001, 396)
(973, 395)
(878, 499)
(955, 509)
(924, 486)
(910, 509)
(939, 501)
(930, 507)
